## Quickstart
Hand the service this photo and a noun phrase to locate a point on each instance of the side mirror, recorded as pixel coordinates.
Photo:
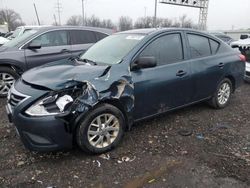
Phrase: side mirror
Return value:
(34, 46)
(144, 62)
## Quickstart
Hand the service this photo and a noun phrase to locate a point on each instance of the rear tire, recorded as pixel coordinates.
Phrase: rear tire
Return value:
(7, 79)
(222, 96)
(95, 134)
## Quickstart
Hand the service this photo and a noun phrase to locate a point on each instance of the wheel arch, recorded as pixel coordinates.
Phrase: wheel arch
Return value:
(232, 79)
(13, 65)
(114, 102)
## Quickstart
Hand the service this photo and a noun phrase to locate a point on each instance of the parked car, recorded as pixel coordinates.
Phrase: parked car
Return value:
(244, 36)
(3, 41)
(8, 34)
(122, 79)
(244, 46)
(22, 29)
(227, 39)
(39, 46)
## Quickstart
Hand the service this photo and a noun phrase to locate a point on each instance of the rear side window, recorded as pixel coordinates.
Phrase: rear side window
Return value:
(199, 46)
(82, 37)
(214, 46)
(166, 49)
(100, 36)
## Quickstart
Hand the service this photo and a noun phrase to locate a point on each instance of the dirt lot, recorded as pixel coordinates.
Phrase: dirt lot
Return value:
(153, 154)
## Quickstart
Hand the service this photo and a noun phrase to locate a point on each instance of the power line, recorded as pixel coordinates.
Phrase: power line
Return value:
(58, 8)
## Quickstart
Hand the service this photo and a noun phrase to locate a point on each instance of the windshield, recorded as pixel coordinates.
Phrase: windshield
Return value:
(16, 32)
(14, 42)
(112, 49)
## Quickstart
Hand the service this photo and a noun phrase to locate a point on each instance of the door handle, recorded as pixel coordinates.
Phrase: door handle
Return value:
(65, 51)
(181, 73)
(221, 65)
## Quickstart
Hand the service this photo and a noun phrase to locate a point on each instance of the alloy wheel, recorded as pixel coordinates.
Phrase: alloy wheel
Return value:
(103, 130)
(224, 93)
(6, 81)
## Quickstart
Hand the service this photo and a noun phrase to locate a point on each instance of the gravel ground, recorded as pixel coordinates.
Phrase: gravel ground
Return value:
(152, 154)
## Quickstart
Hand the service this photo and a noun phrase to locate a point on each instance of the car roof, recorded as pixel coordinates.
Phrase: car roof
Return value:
(157, 30)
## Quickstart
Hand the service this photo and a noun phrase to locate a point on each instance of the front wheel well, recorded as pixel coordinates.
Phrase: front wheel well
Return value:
(13, 67)
(114, 103)
(118, 105)
(231, 78)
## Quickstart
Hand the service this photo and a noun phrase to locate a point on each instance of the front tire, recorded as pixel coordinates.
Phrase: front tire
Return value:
(101, 129)
(222, 96)
(7, 79)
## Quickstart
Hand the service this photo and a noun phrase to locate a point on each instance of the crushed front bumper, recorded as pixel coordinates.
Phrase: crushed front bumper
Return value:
(41, 134)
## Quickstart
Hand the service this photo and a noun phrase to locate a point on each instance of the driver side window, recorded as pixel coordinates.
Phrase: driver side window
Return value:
(53, 38)
(166, 49)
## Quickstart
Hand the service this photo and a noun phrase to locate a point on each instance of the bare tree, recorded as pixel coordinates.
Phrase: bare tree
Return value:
(11, 17)
(75, 20)
(145, 22)
(125, 23)
(186, 22)
(93, 21)
(107, 24)
(164, 22)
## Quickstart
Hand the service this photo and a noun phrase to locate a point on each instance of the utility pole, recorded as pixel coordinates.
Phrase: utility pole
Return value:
(145, 12)
(83, 17)
(59, 10)
(38, 21)
(55, 19)
(155, 16)
(203, 14)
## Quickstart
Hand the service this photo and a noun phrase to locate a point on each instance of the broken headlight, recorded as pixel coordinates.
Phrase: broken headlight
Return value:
(53, 104)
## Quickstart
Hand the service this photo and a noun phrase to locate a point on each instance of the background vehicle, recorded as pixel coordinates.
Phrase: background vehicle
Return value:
(124, 78)
(22, 29)
(8, 34)
(244, 46)
(244, 36)
(39, 46)
(223, 37)
(3, 40)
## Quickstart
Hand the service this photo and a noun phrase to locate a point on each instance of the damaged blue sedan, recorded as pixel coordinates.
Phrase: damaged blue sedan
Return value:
(90, 101)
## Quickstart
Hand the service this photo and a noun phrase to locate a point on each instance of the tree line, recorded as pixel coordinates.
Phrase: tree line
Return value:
(124, 23)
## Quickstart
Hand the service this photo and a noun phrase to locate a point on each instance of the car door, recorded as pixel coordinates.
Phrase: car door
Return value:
(207, 65)
(81, 41)
(54, 46)
(166, 86)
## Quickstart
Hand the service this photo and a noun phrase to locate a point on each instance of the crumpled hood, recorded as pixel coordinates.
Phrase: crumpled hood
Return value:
(57, 75)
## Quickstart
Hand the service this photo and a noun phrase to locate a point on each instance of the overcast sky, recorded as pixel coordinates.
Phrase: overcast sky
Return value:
(223, 14)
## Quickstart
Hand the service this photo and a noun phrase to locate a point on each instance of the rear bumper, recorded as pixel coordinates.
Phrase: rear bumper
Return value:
(42, 134)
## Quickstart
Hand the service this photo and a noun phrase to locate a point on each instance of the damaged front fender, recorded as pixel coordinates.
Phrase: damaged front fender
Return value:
(109, 87)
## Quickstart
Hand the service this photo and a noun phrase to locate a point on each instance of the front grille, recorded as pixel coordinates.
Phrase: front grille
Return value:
(247, 73)
(15, 99)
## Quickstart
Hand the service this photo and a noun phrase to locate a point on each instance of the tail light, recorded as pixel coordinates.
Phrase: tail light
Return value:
(242, 58)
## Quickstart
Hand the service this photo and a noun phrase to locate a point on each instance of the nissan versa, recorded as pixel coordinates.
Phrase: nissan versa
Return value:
(124, 78)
